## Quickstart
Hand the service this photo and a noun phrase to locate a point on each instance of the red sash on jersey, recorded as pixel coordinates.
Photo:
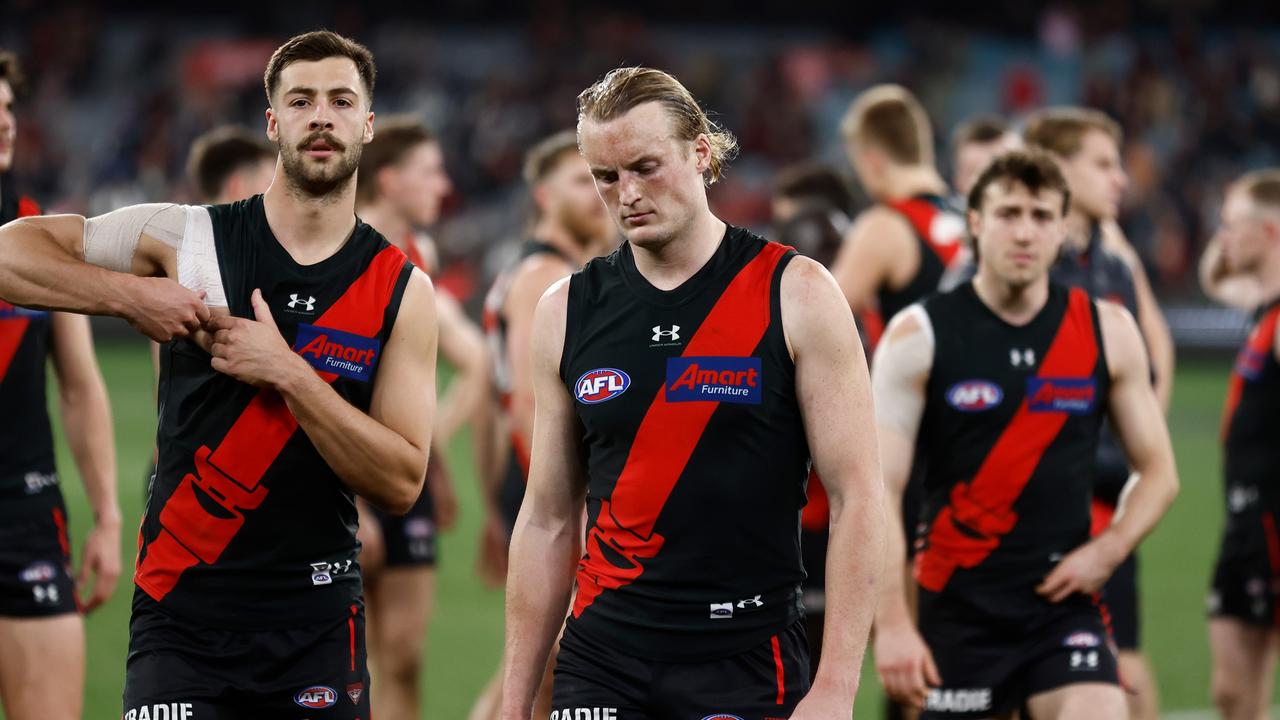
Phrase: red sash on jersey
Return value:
(12, 329)
(1259, 345)
(232, 473)
(668, 435)
(984, 505)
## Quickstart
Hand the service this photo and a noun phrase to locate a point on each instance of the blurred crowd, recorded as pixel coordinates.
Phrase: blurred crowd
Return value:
(114, 100)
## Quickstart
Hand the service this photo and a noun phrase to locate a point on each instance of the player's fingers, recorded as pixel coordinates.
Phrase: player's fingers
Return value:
(261, 310)
(218, 364)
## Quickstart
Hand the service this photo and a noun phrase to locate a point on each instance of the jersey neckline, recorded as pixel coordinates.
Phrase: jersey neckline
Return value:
(349, 247)
(720, 261)
(1054, 290)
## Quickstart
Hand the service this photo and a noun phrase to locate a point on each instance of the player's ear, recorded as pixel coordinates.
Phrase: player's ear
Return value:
(975, 225)
(702, 153)
(273, 130)
(368, 128)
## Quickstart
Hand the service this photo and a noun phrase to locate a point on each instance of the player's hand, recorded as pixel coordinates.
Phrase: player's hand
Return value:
(163, 310)
(251, 351)
(1085, 570)
(99, 564)
(905, 664)
(491, 561)
(443, 497)
(824, 703)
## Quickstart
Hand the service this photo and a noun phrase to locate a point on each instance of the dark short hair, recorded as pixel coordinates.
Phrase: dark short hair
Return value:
(1033, 169)
(1061, 130)
(319, 45)
(981, 130)
(11, 71)
(220, 153)
(815, 184)
(544, 157)
(394, 138)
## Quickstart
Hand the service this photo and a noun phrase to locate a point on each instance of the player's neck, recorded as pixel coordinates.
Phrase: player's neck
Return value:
(1079, 229)
(310, 229)
(668, 266)
(557, 236)
(1015, 304)
(910, 181)
(390, 224)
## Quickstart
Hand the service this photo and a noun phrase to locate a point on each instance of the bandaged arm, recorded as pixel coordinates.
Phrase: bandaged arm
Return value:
(899, 374)
(67, 262)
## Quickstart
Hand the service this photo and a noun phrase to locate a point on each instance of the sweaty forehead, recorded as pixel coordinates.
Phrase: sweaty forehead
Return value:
(322, 76)
(644, 129)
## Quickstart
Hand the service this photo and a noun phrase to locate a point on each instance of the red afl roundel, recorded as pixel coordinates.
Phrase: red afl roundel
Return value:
(722, 716)
(596, 386)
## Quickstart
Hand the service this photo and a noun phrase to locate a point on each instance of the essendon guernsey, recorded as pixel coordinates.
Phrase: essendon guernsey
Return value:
(1009, 432)
(27, 478)
(695, 453)
(247, 526)
(1251, 453)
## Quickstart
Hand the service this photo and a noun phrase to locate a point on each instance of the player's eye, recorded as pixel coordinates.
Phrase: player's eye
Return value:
(298, 102)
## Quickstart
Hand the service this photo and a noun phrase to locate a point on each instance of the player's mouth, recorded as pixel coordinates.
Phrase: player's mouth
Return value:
(320, 147)
(637, 218)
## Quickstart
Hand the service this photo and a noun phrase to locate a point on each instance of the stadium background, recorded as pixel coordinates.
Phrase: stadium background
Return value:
(117, 91)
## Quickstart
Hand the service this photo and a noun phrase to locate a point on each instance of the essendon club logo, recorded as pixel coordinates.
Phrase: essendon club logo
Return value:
(342, 353)
(601, 384)
(715, 379)
(1076, 396)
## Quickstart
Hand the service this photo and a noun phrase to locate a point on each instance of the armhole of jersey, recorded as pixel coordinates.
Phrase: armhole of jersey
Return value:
(198, 267)
(775, 305)
(571, 318)
(392, 310)
(926, 325)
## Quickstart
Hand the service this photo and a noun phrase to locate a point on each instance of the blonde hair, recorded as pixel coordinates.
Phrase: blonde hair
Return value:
(1262, 187)
(1061, 130)
(889, 117)
(625, 88)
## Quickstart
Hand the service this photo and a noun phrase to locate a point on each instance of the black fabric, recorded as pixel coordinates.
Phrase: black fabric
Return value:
(722, 566)
(1120, 598)
(35, 564)
(412, 539)
(604, 682)
(931, 269)
(196, 672)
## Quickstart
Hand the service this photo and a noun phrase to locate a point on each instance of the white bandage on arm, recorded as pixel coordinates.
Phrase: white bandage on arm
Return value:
(901, 370)
(111, 240)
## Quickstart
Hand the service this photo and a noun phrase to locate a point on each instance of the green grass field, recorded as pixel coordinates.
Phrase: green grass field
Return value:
(466, 633)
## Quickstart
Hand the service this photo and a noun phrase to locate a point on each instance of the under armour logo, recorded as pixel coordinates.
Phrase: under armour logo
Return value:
(659, 334)
(1018, 358)
(752, 602)
(308, 305)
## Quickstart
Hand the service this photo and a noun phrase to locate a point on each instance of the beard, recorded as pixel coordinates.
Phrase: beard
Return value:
(319, 181)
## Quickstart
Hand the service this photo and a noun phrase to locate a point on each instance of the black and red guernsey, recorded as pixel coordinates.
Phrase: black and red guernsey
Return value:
(938, 231)
(695, 453)
(1009, 434)
(28, 481)
(247, 527)
(1252, 413)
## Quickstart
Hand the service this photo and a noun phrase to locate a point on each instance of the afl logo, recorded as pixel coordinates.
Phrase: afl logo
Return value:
(722, 716)
(596, 386)
(974, 395)
(316, 697)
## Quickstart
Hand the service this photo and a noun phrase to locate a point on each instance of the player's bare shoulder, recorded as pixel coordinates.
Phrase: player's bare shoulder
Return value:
(812, 303)
(549, 322)
(1121, 340)
(881, 227)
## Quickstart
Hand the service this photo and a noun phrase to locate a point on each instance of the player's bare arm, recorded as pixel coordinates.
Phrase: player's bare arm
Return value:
(547, 538)
(1155, 330)
(1222, 286)
(86, 419)
(535, 275)
(124, 264)
(463, 346)
(1139, 423)
(834, 391)
(902, 365)
(871, 256)
(381, 456)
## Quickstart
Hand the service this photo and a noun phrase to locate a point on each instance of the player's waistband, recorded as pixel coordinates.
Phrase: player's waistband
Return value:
(28, 493)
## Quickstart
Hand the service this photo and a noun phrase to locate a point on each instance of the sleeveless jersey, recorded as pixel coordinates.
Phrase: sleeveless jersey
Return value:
(1252, 413)
(1009, 434)
(246, 525)
(1105, 276)
(695, 453)
(28, 480)
(939, 232)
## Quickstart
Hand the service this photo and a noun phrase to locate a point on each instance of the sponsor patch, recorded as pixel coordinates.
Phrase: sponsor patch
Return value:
(1082, 639)
(1249, 364)
(585, 713)
(38, 572)
(974, 395)
(316, 697)
(601, 384)
(164, 711)
(720, 611)
(715, 379)
(334, 351)
(968, 700)
(1076, 396)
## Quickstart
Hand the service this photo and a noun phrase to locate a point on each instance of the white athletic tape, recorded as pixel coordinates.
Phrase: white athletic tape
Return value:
(904, 357)
(198, 258)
